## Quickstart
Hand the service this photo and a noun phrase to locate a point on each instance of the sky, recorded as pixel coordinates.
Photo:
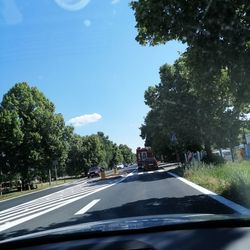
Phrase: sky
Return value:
(82, 54)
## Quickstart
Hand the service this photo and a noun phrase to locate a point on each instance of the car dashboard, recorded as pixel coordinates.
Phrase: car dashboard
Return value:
(191, 236)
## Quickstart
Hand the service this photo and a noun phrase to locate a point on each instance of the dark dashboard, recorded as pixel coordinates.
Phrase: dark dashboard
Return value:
(184, 236)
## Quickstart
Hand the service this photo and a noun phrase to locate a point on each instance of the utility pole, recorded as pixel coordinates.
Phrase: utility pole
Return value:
(1, 192)
(55, 166)
(49, 177)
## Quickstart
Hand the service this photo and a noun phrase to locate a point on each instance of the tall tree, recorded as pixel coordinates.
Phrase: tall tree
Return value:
(127, 153)
(93, 150)
(32, 135)
(117, 156)
(184, 118)
(108, 150)
(76, 161)
(216, 32)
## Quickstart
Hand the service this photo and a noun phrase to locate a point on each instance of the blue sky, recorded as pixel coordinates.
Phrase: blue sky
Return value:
(83, 56)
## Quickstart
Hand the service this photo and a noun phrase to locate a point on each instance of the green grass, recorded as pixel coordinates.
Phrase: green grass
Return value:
(231, 180)
(40, 186)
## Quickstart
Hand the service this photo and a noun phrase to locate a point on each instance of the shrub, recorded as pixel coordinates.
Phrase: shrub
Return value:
(214, 159)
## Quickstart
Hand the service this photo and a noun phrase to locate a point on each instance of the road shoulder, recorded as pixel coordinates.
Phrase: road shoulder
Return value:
(236, 207)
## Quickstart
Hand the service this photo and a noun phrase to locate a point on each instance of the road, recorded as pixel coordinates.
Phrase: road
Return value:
(133, 194)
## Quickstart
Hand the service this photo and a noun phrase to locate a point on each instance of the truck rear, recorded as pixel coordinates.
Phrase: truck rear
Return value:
(145, 159)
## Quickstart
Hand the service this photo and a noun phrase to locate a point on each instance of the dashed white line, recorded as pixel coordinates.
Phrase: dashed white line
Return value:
(150, 172)
(87, 207)
(161, 170)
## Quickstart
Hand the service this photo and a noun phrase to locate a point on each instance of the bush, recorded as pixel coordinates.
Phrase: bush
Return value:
(232, 180)
(214, 159)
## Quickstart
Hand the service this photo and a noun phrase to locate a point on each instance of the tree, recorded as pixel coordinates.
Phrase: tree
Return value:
(117, 156)
(127, 154)
(35, 140)
(108, 150)
(76, 161)
(85, 152)
(93, 150)
(221, 25)
(184, 118)
(32, 135)
(217, 34)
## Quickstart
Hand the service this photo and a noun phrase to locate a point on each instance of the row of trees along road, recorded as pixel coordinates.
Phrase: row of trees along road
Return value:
(203, 98)
(34, 139)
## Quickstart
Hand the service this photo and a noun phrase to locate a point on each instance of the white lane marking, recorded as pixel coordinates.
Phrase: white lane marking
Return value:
(22, 212)
(32, 216)
(150, 172)
(87, 207)
(236, 207)
(161, 170)
(18, 215)
(45, 200)
(41, 203)
(24, 219)
(34, 192)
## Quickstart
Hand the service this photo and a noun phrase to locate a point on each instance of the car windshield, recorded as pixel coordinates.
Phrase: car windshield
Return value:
(120, 109)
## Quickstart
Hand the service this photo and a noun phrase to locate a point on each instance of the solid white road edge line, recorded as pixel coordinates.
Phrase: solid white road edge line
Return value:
(87, 207)
(236, 207)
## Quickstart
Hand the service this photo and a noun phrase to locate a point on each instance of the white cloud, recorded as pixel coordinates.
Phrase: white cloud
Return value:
(84, 119)
(115, 1)
(87, 22)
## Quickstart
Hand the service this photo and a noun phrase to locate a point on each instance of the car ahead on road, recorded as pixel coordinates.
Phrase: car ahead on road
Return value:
(94, 172)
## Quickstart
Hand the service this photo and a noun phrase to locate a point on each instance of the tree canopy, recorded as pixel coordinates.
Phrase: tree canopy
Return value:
(204, 95)
(216, 32)
(34, 139)
(221, 24)
(32, 134)
(182, 117)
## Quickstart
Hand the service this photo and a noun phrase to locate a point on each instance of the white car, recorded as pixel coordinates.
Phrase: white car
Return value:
(120, 166)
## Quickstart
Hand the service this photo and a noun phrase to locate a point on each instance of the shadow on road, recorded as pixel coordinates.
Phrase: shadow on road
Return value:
(136, 176)
(147, 177)
(198, 204)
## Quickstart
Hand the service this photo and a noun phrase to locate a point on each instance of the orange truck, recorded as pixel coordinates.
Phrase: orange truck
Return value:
(145, 159)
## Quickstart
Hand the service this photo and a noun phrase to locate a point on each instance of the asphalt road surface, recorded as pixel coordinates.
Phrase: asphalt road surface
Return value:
(133, 194)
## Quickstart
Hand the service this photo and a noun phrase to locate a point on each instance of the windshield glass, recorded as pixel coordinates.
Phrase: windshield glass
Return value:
(119, 109)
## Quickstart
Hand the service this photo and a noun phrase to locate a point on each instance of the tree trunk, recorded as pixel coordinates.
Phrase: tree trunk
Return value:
(208, 150)
(232, 153)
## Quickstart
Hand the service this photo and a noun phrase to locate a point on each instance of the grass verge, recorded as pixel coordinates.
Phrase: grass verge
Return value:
(40, 186)
(231, 180)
